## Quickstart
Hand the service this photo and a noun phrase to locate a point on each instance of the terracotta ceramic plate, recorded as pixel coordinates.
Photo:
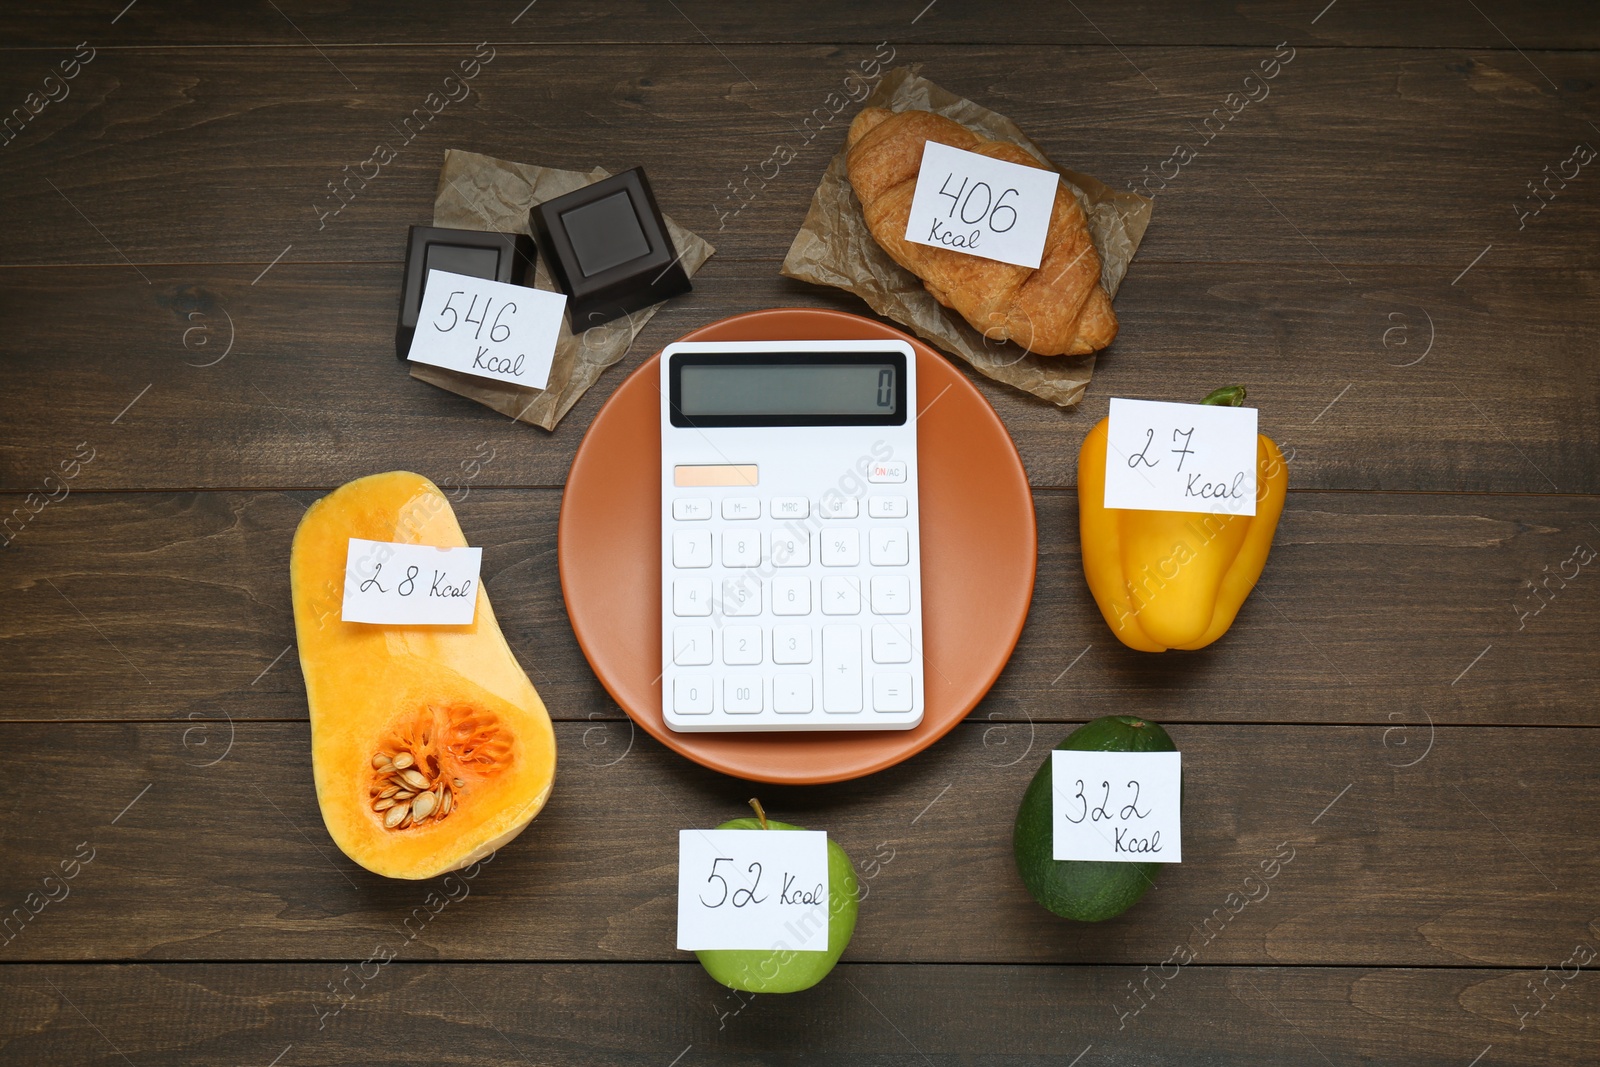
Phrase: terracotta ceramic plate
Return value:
(979, 550)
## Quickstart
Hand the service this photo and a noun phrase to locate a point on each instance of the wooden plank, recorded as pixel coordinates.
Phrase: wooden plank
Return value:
(225, 156)
(1539, 24)
(1374, 608)
(1302, 845)
(567, 1013)
(1395, 384)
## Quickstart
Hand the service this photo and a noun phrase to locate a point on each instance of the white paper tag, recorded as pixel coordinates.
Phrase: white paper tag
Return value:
(753, 889)
(1117, 806)
(488, 329)
(981, 206)
(1181, 457)
(409, 585)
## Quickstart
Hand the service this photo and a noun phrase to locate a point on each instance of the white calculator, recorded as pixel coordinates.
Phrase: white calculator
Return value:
(791, 575)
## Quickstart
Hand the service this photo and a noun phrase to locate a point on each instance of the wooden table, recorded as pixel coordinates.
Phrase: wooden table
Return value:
(1404, 705)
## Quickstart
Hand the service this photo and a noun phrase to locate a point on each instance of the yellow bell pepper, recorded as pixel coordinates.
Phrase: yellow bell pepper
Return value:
(1174, 579)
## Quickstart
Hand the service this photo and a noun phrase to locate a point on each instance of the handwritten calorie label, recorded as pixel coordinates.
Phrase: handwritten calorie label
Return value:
(402, 585)
(753, 889)
(488, 329)
(1117, 806)
(981, 206)
(1181, 457)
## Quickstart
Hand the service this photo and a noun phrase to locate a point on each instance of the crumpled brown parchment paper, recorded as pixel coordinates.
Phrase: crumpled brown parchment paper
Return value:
(478, 192)
(834, 247)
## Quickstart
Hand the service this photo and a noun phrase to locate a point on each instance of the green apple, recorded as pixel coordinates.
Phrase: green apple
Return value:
(785, 970)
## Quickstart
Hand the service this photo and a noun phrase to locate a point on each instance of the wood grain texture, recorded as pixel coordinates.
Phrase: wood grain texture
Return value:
(1433, 24)
(647, 1014)
(1479, 854)
(1387, 384)
(1374, 608)
(1352, 157)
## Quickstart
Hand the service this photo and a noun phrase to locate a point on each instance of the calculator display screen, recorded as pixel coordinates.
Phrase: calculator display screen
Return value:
(788, 389)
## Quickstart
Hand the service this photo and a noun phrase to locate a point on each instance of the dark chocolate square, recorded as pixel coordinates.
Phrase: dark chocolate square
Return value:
(604, 234)
(501, 257)
(608, 248)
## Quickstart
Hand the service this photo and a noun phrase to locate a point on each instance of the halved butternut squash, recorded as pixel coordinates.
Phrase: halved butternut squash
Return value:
(429, 744)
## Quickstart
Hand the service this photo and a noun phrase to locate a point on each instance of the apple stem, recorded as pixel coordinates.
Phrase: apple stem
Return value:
(760, 813)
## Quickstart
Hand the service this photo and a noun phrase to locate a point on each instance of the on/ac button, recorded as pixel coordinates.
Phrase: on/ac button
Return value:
(887, 470)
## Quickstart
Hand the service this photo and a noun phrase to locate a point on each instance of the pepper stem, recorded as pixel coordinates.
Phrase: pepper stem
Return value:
(1229, 396)
(760, 813)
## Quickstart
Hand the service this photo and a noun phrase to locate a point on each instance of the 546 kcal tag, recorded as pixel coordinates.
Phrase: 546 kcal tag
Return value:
(488, 329)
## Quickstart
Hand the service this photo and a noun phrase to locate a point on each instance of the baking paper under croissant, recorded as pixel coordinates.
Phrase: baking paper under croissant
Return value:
(1058, 309)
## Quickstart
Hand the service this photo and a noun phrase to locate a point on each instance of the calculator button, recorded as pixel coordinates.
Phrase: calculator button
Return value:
(741, 597)
(791, 644)
(838, 506)
(841, 595)
(691, 646)
(741, 645)
(841, 548)
(791, 596)
(889, 547)
(741, 548)
(891, 692)
(791, 549)
(891, 595)
(691, 596)
(888, 470)
(841, 669)
(791, 694)
(691, 509)
(691, 695)
(790, 507)
(741, 507)
(887, 507)
(691, 548)
(741, 696)
(890, 644)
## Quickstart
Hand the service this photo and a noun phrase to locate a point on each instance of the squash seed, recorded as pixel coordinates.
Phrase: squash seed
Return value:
(404, 760)
(415, 780)
(445, 804)
(379, 760)
(423, 806)
(384, 804)
(396, 815)
(458, 783)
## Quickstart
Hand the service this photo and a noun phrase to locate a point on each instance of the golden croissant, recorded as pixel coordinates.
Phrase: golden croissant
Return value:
(1058, 309)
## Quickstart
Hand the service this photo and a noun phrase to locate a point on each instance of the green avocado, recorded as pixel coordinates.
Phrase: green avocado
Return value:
(1085, 890)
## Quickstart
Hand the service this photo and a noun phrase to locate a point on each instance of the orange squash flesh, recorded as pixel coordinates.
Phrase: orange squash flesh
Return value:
(452, 698)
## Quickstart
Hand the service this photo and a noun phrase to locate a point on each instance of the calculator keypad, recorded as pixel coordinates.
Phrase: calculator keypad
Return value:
(789, 610)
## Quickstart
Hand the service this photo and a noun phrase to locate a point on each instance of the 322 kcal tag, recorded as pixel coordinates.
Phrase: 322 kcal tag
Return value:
(753, 889)
(1181, 457)
(1118, 806)
(488, 329)
(410, 585)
